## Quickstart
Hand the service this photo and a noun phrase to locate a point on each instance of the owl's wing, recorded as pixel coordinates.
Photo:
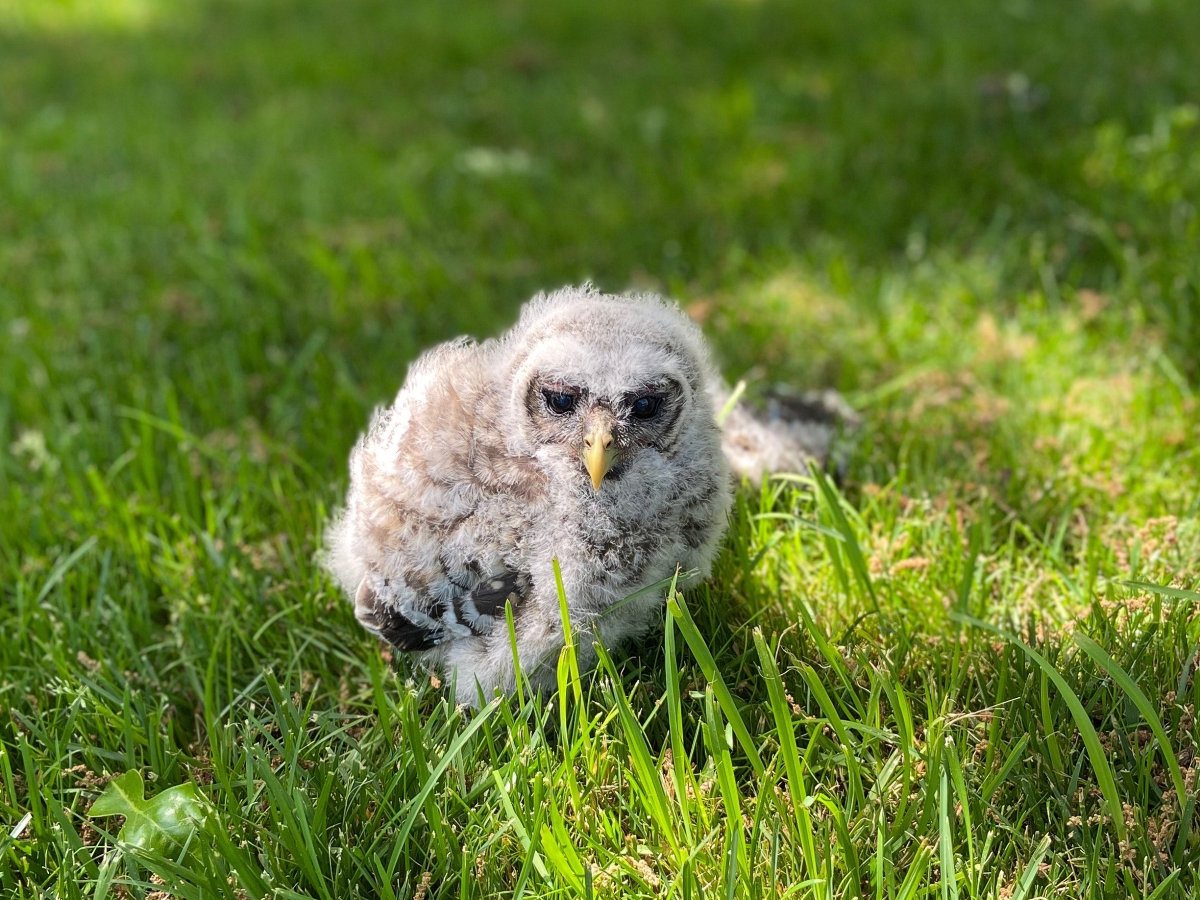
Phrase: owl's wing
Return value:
(427, 544)
(387, 608)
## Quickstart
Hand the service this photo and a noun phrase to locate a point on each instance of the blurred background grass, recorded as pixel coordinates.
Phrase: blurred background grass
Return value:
(189, 184)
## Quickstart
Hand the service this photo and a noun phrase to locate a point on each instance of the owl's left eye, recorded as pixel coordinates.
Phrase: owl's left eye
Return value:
(646, 406)
(560, 403)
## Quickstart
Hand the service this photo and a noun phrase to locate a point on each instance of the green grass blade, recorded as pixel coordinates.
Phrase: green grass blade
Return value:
(418, 802)
(708, 665)
(950, 755)
(788, 749)
(681, 764)
(559, 851)
(737, 864)
(840, 731)
(1095, 751)
(850, 545)
(1025, 882)
(1101, 657)
(916, 873)
(647, 778)
(949, 884)
(1164, 590)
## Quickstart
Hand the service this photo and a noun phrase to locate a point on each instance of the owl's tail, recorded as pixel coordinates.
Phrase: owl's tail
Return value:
(789, 434)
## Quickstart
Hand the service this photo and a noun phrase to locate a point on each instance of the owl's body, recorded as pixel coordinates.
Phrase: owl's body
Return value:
(586, 434)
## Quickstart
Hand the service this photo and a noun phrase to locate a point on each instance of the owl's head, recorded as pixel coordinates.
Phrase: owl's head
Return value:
(607, 388)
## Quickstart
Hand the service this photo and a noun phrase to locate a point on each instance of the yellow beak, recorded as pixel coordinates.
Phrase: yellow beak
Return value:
(598, 452)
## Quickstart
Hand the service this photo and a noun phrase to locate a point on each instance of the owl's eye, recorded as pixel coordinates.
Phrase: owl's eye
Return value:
(646, 406)
(560, 403)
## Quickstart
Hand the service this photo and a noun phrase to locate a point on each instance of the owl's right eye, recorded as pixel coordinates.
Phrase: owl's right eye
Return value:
(560, 403)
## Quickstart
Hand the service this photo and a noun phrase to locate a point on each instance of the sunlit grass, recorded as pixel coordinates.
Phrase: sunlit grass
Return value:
(58, 16)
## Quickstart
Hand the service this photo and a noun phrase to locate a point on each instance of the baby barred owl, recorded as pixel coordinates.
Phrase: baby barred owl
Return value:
(588, 434)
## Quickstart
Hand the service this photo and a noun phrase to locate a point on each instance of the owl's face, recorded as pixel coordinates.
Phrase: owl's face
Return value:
(606, 432)
(605, 391)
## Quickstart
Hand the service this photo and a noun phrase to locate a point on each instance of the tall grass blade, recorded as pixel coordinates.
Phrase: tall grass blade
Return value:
(840, 731)
(737, 863)
(681, 765)
(708, 665)
(853, 550)
(1025, 883)
(946, 841)
(788, 749)
(647, 780)
(418, 802)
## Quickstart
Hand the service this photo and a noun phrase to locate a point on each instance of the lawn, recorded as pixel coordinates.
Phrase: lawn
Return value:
(965, 668)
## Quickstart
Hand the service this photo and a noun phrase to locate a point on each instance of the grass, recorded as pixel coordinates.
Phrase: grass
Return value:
(967, 672)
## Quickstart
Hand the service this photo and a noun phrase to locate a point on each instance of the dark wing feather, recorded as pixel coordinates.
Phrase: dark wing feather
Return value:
(483, 607)
(404, 634)
(473, 612)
